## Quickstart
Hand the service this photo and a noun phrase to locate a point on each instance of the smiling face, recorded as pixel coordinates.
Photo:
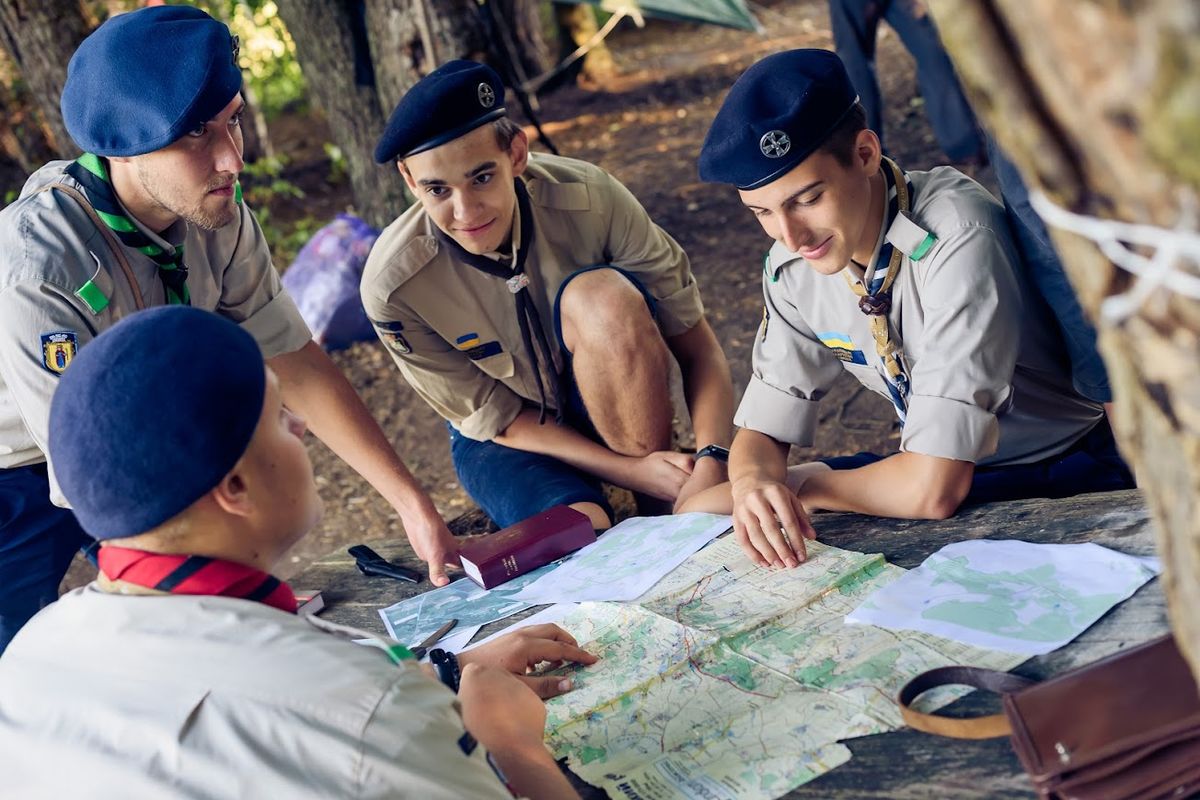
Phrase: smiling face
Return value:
(466, 187)
(823, 210)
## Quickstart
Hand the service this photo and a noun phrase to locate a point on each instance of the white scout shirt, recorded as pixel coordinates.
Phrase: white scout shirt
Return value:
(49, 251)
(108, 695)
(453, 329)
(990, 378)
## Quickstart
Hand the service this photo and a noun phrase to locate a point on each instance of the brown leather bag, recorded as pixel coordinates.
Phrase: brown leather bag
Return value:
(1124, 728)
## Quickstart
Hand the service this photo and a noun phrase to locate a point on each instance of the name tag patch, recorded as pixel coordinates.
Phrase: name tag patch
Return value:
(843, 347)
(58, 349)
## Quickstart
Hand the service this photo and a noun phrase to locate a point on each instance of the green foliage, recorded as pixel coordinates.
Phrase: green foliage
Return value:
(268, 54)
(286, 238)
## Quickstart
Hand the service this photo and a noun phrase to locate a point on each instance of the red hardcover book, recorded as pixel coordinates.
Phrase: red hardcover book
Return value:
(524, 547)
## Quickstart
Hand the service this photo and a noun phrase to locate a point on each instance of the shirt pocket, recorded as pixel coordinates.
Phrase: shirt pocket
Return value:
(498, 366)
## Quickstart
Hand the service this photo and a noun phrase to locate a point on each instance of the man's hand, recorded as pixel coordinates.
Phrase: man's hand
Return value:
(770, 523)
(660, 474)
(500, 711)
(524, 649)
(706, 473)
(432, 542)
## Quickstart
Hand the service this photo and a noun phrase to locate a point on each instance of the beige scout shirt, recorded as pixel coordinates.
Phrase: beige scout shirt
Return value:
(108, 695)
(990, 378)
(453, 329)
(49, 248)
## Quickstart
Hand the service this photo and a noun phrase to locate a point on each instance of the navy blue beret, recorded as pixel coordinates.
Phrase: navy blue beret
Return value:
(151, 415)
(454, 99)
(776, 115)
(143, 79)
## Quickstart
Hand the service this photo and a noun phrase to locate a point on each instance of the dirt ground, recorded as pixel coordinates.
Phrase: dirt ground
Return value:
(646, 128)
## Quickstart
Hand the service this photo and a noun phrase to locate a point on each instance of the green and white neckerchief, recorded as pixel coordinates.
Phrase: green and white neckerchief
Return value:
(92, 174)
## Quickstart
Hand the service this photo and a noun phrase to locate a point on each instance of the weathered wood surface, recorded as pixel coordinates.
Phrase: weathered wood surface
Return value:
(902, 764)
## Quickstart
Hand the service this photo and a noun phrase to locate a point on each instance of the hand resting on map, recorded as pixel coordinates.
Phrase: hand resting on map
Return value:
(522, 651)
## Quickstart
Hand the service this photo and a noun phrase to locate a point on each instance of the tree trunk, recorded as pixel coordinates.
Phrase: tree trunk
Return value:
(576, 27)
(1096, 104)
(23, 139)
(519, 22)
(40, 37)
(338, 73)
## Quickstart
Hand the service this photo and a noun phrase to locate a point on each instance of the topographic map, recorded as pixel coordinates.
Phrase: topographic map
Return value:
(728, 681)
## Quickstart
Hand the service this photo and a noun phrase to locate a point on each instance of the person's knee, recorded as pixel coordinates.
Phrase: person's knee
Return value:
(603, 309)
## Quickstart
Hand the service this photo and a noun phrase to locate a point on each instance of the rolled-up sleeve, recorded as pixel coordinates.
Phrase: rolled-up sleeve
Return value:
(792, 372)
(469, 394)
(637, 244)
(962, 374)
(253, 297)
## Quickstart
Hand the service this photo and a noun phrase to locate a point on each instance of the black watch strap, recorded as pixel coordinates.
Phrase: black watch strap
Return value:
(715, 451)
(446, 666)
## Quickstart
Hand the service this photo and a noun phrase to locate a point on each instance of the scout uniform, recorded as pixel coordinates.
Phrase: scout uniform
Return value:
(189, 676)
(73, 262)
(454, 329)
(940, 322)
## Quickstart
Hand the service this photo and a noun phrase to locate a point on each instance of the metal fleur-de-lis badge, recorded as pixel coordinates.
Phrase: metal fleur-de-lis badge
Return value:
(487, 97)
(235, 43)
(775, 144)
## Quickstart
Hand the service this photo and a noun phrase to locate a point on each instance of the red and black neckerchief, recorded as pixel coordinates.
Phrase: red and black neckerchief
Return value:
(527, 315)
(196, 575)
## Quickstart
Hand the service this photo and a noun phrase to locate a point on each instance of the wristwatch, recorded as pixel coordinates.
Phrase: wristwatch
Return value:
(715, 450)
(446, 666)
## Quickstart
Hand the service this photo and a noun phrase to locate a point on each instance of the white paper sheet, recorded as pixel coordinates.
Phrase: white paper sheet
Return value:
(1008, 595)
(627, 560)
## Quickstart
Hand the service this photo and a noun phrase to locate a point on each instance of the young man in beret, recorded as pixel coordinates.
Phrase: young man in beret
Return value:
(909, 282)
(532, 302)
(151, 214)
(184, 671)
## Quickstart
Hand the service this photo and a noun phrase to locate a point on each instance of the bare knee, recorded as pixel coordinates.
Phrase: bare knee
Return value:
(602, 308)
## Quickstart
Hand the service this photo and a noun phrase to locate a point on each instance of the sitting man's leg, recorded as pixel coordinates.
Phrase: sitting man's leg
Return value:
(511, 485)
(620, 361)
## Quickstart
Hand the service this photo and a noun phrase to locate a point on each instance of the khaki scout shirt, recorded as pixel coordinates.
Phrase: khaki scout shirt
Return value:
(187, 696)
(453, 329)
(50, 248)
(989, 375)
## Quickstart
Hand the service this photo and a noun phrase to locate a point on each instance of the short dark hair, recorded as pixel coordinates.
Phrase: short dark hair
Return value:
(506, 130)
(840, 141)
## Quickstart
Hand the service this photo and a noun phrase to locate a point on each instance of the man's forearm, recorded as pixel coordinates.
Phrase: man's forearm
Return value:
(904, 486)
(315, 388)
(533, 774)
(567, 445)
(758, 456)
(707, 386)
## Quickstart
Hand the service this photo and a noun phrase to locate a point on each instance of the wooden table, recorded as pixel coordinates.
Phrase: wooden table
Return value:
(905, 763)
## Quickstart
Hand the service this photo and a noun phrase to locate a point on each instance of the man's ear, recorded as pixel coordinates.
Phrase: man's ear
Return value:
(867, 151)
(518, 151)
(232, 495)
(408, 178)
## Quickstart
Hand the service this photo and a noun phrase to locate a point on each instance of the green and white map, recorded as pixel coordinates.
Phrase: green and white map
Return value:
(727, 680)
(1009, 595)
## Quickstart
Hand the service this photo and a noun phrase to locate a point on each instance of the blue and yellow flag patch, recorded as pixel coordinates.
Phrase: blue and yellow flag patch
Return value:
(58, 349)
(843, 347)
(469, 343)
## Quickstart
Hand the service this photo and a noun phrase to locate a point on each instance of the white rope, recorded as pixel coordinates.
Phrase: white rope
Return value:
(1173, 248)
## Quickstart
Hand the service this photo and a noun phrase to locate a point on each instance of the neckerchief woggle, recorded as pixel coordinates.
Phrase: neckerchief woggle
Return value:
(90, 171)
(875, 300)
(527, 315)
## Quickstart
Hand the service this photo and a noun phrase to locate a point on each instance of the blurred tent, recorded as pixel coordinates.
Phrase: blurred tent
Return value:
(730, 13)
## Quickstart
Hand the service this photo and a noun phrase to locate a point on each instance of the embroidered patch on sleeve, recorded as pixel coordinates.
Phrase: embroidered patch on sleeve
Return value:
(390, 334)
(843, 347)
(58, 349)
